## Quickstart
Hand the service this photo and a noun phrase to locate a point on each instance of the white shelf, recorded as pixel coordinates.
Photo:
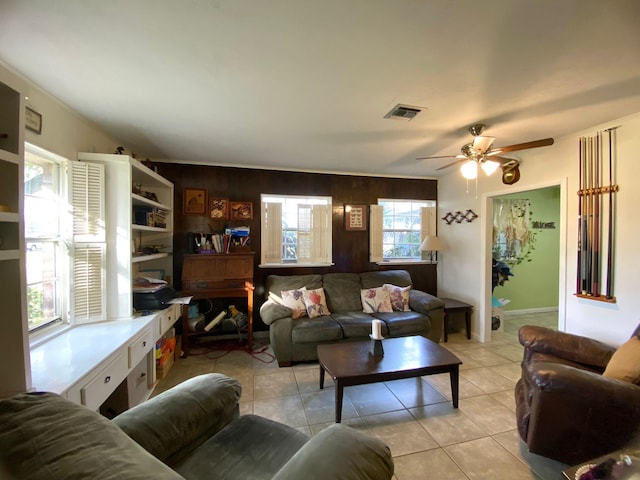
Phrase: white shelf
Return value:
(145, 228)
(9, 217)
(139, 200)
(10, 157)
(146, 258)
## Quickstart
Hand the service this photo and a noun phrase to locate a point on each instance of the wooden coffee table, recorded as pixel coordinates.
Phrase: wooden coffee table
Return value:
(350, 363)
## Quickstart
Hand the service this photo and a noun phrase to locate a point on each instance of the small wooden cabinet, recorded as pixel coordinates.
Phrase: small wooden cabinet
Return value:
(217, 276)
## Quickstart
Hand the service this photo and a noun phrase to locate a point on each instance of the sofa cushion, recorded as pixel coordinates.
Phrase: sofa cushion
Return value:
(343, 291)
(400, 324)
(380, 277)
(399, 297)
(313, 330)
(278, 283)
(625, 362)
(375, 300)
(294, 299)
(251, 447)
(315, 302)
(46, 436)
(356, 324)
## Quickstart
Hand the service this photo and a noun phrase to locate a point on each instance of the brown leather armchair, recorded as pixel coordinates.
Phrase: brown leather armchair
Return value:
(565, 408)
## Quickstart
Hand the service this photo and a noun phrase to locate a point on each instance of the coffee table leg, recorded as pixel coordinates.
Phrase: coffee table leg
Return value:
(321, 377)
(339, 392)
(454, 375)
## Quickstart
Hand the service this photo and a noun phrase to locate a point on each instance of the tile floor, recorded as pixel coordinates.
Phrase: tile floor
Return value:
(427, 436)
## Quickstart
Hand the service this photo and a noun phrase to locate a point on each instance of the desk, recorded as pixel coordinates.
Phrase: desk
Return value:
(451, 305)
(226, 275)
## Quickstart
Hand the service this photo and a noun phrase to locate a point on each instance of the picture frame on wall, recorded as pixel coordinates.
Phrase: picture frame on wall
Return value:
(241, 210)
(195, 201)
(355, 217)
(219, 208)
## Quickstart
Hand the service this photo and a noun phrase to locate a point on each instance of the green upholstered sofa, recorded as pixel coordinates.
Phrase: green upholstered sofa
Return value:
(191, 431)
(296, 340)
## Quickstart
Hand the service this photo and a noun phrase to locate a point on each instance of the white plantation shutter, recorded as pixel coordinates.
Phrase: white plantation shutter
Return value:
(321, 247)
(427, 225)
(375, 233)
(271, 234)
(305, 235)
(88, 250)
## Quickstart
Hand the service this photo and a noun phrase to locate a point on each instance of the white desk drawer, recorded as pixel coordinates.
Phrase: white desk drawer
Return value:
(139, 347)
(106, 381)
(168, 317)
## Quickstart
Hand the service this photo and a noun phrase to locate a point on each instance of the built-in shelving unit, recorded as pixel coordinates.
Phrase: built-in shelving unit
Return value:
(14, 354)
(139, 221)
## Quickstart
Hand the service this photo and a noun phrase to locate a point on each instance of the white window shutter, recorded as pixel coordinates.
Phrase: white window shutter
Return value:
(305, 234)
(375, 233)
(271, 235)
(427, 222)
(88, 251)
(89, 283)
(321, 248)
(87, 201)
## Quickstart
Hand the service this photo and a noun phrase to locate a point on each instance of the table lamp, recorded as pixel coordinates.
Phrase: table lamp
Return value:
(431, 244)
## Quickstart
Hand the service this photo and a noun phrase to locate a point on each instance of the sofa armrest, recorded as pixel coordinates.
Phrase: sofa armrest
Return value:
(571, 408)
(423, 302)
(575, 348)
(340, 453)
(172, 424)
(271, 311)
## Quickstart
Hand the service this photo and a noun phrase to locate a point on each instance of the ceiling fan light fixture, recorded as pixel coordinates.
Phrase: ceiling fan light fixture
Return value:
(489, 166)
(469, 169)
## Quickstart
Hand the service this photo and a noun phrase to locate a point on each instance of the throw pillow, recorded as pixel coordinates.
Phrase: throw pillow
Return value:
(375, 300)
(294, 299)
(315, 302)
(625, 362)
(399, 297)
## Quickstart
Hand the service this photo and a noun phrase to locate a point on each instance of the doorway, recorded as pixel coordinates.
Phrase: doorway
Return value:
(536, 289)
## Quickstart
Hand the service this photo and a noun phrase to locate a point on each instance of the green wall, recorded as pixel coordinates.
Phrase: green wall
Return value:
(535, 283)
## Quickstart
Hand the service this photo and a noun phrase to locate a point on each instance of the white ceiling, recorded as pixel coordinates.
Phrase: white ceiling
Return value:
(305, 84)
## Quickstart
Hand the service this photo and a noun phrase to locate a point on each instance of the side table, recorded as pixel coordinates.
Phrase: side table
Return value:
(452, 305)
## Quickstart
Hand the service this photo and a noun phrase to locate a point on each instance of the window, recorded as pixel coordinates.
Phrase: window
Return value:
(45, 254)
(398, 227)
(296, 230)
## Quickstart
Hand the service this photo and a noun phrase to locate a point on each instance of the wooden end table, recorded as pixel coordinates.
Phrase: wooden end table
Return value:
(350, 363)
(451, 305)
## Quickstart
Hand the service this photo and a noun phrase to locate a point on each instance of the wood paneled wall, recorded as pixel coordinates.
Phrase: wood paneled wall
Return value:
(350, 248)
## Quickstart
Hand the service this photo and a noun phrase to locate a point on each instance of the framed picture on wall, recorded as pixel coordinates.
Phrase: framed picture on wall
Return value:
(355, 217)
(219, 208)
(241, 210)
(195, 201)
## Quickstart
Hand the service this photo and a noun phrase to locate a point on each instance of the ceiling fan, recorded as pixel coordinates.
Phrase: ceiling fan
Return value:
(479, 153)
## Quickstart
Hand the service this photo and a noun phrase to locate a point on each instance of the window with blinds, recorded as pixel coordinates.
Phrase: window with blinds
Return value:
(296, 230)
(398, 227)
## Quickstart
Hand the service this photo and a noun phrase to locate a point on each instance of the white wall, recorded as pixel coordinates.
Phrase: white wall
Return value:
(64, 131)
(464, 271)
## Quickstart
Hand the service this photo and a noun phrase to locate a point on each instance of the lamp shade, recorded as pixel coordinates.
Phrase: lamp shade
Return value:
(469, 169)
(431, 243)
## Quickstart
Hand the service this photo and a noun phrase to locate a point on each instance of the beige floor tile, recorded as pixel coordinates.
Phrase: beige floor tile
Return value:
(277, 384)
(442, 384)
(489, 414)
(486, 357)
(320, 406)
(511, 371)
(506, 398)
(355, 422)
(414, 392)
(246, 408)
(447, 425)
(287, 410)
(373, 398)
(401, 431)
(308, 379)
(509, 351)
(487, 380)
(485, 458)
(431, 464)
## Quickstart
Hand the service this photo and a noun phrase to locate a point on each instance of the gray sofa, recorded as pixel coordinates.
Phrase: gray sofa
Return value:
(296, 340)
(191, 431)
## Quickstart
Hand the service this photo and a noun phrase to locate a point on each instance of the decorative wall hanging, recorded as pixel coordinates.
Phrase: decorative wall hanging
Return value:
(468, 216)
(355, 217)
(219, 208)
(241, 210)
(513, 238)
(596, 209)
(195, 201)
(33, 120)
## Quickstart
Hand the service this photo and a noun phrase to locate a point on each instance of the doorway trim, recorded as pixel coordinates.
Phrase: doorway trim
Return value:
(486, 245)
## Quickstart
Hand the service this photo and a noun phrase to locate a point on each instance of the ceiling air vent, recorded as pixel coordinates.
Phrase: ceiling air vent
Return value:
(403, 112)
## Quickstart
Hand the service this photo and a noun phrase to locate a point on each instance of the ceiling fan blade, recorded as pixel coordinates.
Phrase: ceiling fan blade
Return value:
(482, 144)
(452, 163)
(505, 163)
(439, 156)
(521, 146)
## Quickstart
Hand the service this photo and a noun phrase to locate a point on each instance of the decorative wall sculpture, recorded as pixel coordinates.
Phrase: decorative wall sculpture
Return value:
(468, 216)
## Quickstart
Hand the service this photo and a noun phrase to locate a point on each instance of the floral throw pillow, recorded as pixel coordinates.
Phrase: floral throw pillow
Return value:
(399, 297)
(315, 302)
(375, 300)
(294, 299)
